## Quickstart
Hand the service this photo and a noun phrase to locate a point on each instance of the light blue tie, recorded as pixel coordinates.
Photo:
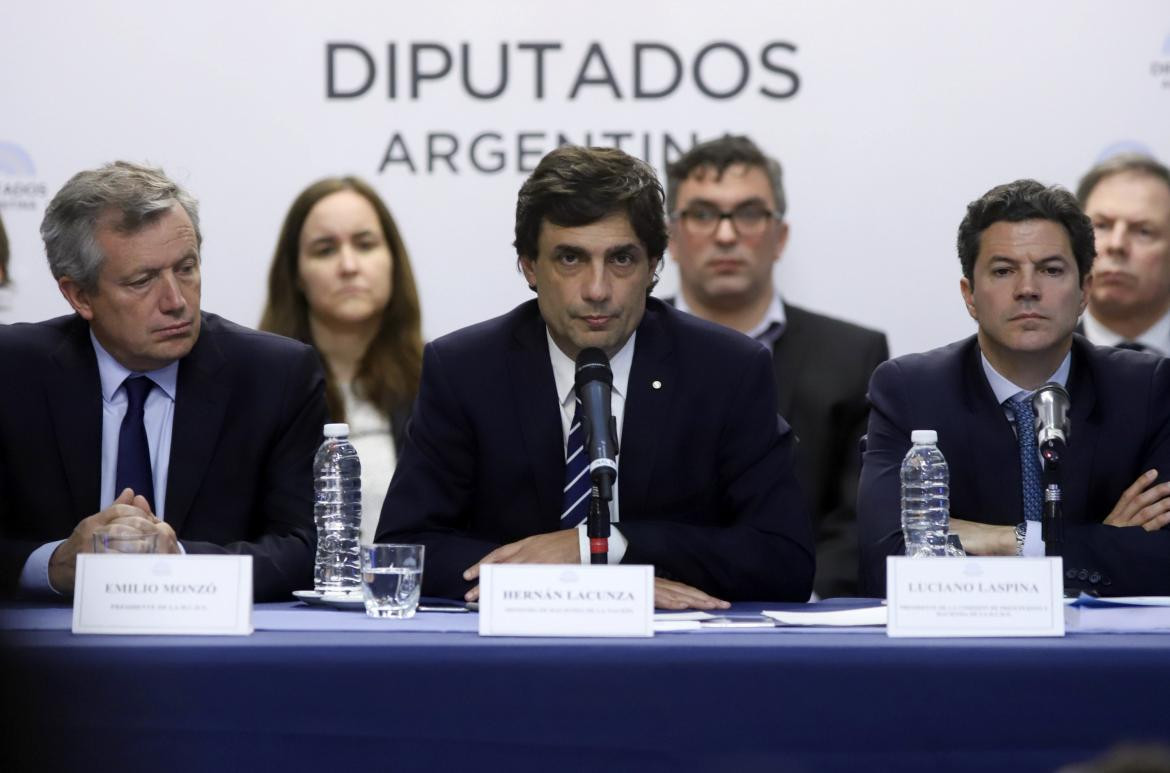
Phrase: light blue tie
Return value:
(1032, 492)
(578, 485)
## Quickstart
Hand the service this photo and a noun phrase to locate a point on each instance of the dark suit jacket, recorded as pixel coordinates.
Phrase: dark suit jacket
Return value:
(1119, 428)
(822, 368)
(248, 415)
(707, 493)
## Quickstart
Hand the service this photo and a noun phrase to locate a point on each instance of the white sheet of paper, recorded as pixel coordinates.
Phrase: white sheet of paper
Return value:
(837, 617)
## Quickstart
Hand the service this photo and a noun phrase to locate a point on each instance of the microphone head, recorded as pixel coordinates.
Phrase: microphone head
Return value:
(593, 365)
(1051, 403)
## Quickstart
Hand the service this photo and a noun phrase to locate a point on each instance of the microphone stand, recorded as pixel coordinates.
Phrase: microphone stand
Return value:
(1052, 526)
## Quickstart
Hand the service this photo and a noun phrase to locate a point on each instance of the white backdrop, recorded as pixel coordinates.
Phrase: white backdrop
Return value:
(888, 117)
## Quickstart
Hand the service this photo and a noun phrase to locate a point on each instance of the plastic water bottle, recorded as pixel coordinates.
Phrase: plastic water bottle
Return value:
(337, 483)
(925, 496)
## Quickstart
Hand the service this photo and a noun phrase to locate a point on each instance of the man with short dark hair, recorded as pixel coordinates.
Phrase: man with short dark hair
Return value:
(1026, 251)
(728, 230)
(141, 411)
(704, 491)
(1128, 199)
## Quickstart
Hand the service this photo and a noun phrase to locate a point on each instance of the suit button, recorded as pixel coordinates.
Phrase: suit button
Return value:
(1083, 575)
(1070, 573)
(1106, 581)
(1095, 578)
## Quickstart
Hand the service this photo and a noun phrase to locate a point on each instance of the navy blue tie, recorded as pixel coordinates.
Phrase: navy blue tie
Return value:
(578, 485)
(134, 470)
(1029, 460)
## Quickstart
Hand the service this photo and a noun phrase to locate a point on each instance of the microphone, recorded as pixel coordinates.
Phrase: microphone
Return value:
(1051, 404)
(594, 387)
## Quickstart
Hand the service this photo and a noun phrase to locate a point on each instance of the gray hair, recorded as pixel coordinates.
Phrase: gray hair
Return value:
(1123, 162)
(138, 195)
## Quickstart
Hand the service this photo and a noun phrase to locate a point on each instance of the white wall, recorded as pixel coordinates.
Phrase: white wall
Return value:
(904, 112)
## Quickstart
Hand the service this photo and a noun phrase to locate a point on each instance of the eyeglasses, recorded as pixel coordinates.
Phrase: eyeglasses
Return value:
(704, 219)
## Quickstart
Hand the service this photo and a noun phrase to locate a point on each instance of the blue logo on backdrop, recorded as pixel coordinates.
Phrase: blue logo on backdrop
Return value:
(18, 187)
(1124, 146)
(15, 161)
(1160, 68)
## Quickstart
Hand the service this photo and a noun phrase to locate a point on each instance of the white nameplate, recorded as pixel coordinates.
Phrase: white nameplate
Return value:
(163, 594)
(972, 596)
(566, 600)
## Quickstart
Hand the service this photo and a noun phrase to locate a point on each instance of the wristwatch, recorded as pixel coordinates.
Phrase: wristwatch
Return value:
(1021, 533)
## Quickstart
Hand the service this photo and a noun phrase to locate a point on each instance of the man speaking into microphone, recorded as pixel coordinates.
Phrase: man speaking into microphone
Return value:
(491, 468)
(1026, 252)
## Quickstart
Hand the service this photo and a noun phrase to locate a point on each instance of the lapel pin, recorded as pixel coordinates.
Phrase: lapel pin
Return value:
(656, 384)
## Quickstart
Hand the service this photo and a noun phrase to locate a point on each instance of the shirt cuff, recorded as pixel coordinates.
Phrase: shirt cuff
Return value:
(617, 544)
(34, 577)
(1033, 542)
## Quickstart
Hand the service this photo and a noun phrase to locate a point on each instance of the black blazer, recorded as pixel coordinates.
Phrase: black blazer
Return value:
(1119, 428)
(707, 492)
(248, 415)
(822, 368)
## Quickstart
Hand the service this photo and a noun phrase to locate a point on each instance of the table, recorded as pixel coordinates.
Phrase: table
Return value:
(777, 700)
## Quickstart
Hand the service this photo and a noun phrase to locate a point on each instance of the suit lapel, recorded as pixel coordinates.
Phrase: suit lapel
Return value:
(647, 411)
(996, 474)
(1084, 426)
(789, 353)
(201, 403)
(74, 398)
(535, 395)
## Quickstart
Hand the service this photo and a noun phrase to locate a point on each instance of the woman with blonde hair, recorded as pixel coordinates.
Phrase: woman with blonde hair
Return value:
(341, 281)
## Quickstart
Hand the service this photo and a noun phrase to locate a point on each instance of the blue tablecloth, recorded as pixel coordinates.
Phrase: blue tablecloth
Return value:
(785, 700)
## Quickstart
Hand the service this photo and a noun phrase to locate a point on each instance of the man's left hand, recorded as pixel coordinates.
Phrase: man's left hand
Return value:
(558, 547)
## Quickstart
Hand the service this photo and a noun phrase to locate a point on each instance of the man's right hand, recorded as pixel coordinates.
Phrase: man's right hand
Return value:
(127, 510)
(1141, 505)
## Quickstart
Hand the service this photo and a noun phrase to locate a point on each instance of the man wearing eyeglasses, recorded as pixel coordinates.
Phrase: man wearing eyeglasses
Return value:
(727, 232)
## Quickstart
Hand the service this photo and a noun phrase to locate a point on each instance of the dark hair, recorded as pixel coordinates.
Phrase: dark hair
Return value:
(718, 155)
(1119, 164)
(4, 278)
(574, 186)
(389, 372)
(1022, 200)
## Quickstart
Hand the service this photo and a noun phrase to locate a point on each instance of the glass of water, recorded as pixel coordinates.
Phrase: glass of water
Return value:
(391, 579)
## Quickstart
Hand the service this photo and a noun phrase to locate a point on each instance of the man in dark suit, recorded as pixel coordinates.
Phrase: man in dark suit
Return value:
(705, 490)
(728, 231)
(139, 392)
(1026, 251)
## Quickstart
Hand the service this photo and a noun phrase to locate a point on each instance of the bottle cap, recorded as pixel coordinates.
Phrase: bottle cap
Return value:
(926, 437)
(337, 430)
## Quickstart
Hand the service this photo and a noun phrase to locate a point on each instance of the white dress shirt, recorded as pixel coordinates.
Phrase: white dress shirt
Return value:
(373, 439)
(773, 316)
(1006, 390)
(1156, 339)
(565, 374)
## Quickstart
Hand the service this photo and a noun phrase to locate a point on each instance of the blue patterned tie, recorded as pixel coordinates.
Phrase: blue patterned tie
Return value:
(1025, 415)
(578, 485)
(134, 469)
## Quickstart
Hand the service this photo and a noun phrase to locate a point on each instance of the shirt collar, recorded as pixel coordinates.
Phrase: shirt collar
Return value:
(565, 370)
(1157, 337)
(113, 373)
(1005, 390)
(773, 315)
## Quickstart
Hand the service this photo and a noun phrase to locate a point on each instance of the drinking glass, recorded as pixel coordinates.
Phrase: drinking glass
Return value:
(391, 579)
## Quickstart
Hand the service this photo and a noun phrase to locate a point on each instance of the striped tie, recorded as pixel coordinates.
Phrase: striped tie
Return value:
(577, 483)
(1033, 496)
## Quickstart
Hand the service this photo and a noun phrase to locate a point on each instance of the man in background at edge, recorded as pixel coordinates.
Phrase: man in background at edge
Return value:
(705, 490)
(727, 232)
(139, 391)
(1128, 199)
(1026, 251)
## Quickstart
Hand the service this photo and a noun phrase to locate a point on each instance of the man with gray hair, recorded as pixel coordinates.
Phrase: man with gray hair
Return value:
(140, 410)
(1127, 197)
